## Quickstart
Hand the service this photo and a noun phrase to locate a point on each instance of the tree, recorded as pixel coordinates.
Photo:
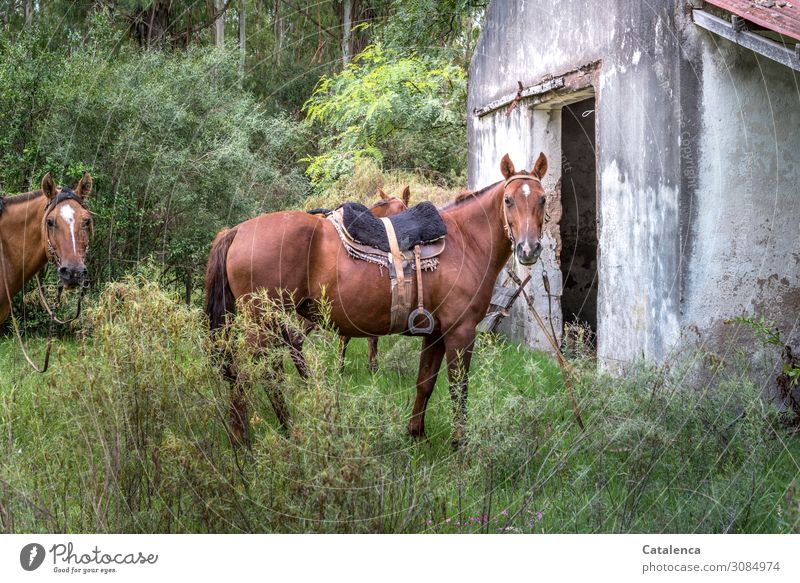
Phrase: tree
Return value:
(218, 24)
(347, 24)
(402, 110)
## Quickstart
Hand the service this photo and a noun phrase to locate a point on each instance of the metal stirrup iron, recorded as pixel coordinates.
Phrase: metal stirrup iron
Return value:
(427, 328)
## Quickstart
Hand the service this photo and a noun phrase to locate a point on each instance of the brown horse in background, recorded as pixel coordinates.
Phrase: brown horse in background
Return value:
(51, 224)
(298, 259)
(387, 207)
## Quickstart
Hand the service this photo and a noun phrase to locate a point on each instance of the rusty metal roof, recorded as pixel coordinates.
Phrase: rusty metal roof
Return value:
(782, 17)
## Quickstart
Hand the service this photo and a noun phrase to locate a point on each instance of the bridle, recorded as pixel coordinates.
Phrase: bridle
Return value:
(52, 257)
(64, 195)
(506, 225)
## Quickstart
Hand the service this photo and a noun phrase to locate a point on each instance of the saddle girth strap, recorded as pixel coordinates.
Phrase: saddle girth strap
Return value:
(418, 262)
(400, 284)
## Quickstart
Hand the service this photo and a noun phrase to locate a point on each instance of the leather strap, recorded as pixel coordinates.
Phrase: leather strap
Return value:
(420, 303)
(401, 286)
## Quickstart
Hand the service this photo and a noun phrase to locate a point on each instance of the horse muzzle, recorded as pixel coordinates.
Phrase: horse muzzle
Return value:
(72, 276)
(528, 254)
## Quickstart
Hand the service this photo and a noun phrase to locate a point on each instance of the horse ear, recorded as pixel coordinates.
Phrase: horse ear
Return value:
(84, 188)
(540, 166)
(48, 186)
(382, 194)
(406, 195)
(507, 167)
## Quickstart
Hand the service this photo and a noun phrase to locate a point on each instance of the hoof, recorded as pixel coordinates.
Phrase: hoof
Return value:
(240, 439)
(458, 442)
(417, 433)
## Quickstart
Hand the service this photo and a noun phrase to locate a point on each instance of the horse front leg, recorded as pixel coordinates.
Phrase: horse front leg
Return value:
(430, 359)
(459, 345)
(343, 342)
(373, 354)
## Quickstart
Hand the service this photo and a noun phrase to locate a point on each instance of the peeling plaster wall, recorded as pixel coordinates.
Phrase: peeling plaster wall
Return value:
(744, 223)
(698, 167)
(638, 160)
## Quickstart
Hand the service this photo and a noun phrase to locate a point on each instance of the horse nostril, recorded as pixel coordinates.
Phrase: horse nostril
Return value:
(62, 271)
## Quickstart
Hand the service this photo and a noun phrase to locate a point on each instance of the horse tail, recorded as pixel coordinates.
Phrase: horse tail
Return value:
(219, 296)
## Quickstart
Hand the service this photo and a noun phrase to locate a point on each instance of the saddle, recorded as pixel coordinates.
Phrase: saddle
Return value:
(419, 225)
(410, 241)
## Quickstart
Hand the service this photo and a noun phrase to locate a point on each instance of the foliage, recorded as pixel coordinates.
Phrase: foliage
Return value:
(402, 110)
(176, 148)
(367, 177)
(127, 434)
(788, 381)
(447, 28)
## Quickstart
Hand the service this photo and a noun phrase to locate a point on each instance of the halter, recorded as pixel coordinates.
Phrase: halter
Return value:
(64, 195)
(506, 226)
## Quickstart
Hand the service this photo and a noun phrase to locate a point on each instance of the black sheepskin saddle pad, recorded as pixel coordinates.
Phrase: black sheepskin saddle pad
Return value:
(418, 225)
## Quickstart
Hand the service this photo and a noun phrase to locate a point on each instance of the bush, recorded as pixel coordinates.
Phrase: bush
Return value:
(127, 433)
(177, 149)
(403, 111)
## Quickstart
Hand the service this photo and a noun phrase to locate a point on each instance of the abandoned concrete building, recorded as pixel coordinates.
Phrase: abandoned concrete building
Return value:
(673, 134)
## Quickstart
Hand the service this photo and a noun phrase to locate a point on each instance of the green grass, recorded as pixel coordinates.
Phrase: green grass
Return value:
(125, 433)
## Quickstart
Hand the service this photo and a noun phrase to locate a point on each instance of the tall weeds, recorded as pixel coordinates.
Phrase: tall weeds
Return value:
(127, 433)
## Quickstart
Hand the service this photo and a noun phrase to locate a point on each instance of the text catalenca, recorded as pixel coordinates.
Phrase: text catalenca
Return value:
(670, 550)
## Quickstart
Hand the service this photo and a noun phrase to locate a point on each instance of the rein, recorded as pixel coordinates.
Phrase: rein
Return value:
(52, 257)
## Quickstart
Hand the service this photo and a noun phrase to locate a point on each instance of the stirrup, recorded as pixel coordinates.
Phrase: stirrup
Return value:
(412, 317)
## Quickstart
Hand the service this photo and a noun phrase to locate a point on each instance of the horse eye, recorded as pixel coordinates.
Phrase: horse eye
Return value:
(509, 201)
(542, 201)
(51, 223)
(87, 223)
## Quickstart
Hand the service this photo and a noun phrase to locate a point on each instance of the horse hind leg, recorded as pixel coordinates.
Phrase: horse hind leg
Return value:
(239, 428)
(275, 393)
(294, 341)
(265, 345)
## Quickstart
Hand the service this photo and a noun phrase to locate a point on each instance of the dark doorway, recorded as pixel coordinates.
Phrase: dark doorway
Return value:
(579, 218)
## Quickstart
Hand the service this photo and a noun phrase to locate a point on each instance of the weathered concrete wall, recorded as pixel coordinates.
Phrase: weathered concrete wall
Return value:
(698, 165)
(637, 158)
(744, 223)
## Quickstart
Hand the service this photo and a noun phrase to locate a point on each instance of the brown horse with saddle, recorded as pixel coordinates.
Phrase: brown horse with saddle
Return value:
(440, 286)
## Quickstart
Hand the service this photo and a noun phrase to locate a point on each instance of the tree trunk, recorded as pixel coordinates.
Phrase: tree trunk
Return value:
(347, 24)
(28, 12)
(242, 40)
(218, 27)
(278, 31)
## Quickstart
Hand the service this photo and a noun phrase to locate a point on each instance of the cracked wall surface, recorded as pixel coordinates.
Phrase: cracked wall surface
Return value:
(698, 161)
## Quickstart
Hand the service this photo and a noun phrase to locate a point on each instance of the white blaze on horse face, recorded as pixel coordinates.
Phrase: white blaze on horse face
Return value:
(526, 190)
(68, 214)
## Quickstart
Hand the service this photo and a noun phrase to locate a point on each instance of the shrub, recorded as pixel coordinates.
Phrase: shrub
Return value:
(177, 149)
(403, 111)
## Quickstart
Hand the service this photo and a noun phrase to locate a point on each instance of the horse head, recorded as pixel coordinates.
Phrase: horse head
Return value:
(523, 208)
(389, 206)
(66, 228)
